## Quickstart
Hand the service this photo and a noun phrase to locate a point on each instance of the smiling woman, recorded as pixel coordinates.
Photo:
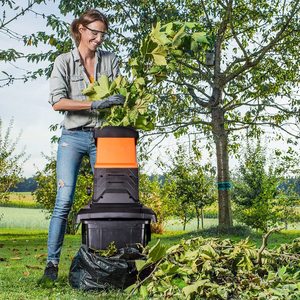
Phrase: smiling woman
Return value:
(72, 72)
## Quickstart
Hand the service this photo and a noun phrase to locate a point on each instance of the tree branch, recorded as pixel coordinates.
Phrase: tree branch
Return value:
(19, 14)
(206, 15)
(248, 124)
(220, 38)
(262, 52)
(197, 70)
(265, 243)
(188, 85)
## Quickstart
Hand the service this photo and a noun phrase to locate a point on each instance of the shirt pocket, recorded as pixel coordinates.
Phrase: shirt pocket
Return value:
(76, 87)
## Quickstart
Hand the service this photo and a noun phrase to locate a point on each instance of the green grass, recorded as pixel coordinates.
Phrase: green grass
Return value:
(23, 218)
(22, 260)
(23, 256)
(23, 253)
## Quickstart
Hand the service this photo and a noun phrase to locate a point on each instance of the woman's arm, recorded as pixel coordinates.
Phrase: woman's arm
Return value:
(72, 105)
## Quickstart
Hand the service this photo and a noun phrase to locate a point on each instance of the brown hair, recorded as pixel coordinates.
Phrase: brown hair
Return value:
(86, 18)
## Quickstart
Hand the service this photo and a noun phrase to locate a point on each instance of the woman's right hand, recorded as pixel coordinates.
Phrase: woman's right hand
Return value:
(108, 102)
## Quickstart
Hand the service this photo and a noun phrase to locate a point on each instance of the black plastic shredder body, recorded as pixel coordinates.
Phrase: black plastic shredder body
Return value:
(115, 213)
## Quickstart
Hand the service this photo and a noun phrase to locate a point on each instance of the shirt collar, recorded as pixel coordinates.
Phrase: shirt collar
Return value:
(76, 55)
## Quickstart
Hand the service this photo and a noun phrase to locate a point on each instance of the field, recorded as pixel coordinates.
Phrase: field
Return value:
(22, 200)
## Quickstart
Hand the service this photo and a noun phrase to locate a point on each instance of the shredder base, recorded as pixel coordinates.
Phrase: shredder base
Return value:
(98, 234)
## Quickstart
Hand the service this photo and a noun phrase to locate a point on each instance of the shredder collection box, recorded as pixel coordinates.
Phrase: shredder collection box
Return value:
(98, 234)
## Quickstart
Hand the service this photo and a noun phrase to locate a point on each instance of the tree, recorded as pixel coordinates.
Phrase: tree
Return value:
(11, 163)
(247, 78)
(260, 202)
(25, 185)
(192, 185)
(45, 194)
(156, 194)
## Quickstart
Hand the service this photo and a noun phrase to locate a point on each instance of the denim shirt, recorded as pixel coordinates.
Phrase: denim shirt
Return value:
(68, 79)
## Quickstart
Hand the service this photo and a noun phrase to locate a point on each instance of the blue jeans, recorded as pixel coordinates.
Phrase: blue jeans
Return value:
(73, 145)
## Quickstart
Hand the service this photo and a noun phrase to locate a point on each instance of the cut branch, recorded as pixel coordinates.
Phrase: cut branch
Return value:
(265, 243)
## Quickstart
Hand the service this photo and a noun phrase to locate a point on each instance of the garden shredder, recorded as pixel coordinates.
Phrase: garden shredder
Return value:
(115, 213)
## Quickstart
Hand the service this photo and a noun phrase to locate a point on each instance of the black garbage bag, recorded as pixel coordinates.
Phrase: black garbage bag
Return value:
(90, 271)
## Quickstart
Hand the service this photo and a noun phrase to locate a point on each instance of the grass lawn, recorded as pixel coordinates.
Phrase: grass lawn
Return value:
(23, 238)
(30, 218)
(23, 255)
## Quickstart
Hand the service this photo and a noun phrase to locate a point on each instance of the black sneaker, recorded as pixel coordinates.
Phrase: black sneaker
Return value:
(50, 273)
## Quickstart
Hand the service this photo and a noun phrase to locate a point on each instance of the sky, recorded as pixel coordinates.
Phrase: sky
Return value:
(27, 103)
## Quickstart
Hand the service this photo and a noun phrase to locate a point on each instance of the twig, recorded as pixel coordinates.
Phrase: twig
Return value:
(141, 283)
(265, 243)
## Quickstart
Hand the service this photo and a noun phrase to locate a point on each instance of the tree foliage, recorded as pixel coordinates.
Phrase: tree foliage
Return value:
(11, 163)
(156, 194)
(260, 201)
(192, 186)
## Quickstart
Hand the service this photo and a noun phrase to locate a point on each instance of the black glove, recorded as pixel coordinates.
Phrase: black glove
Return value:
(108, 102)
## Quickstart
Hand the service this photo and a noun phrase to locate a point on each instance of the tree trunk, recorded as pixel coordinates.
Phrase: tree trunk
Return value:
(184, 223)
(202, 218)
(221, 141)
(198, 217)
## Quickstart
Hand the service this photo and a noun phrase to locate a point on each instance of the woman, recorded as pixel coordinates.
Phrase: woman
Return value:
(72, 72)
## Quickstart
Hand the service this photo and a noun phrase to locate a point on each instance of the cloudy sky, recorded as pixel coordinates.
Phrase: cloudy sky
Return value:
(26, 103)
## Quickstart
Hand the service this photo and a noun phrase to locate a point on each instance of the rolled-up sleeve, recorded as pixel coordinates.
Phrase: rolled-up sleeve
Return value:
(58, 81)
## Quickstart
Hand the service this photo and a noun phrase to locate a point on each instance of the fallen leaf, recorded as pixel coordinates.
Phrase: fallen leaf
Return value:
(34, 267)
(15, 258)
(40, 255)
(26, 274)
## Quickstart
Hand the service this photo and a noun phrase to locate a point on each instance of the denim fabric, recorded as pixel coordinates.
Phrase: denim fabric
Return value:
(68, 79)
(73, 145)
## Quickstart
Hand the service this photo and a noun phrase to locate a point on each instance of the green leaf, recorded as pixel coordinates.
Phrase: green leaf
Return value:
(102, 92)
(179, 282)
(140, 81)
(200, 37)
(159, 37)
(191, 25)
(169, 29)
(193, 288)
(129, 289)
(140, 264)
(89, 90)
(103, 89)
(133, 62)
(157, 252)
(159, 59)
(178, 37)
(143, 291)
(282, 271)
